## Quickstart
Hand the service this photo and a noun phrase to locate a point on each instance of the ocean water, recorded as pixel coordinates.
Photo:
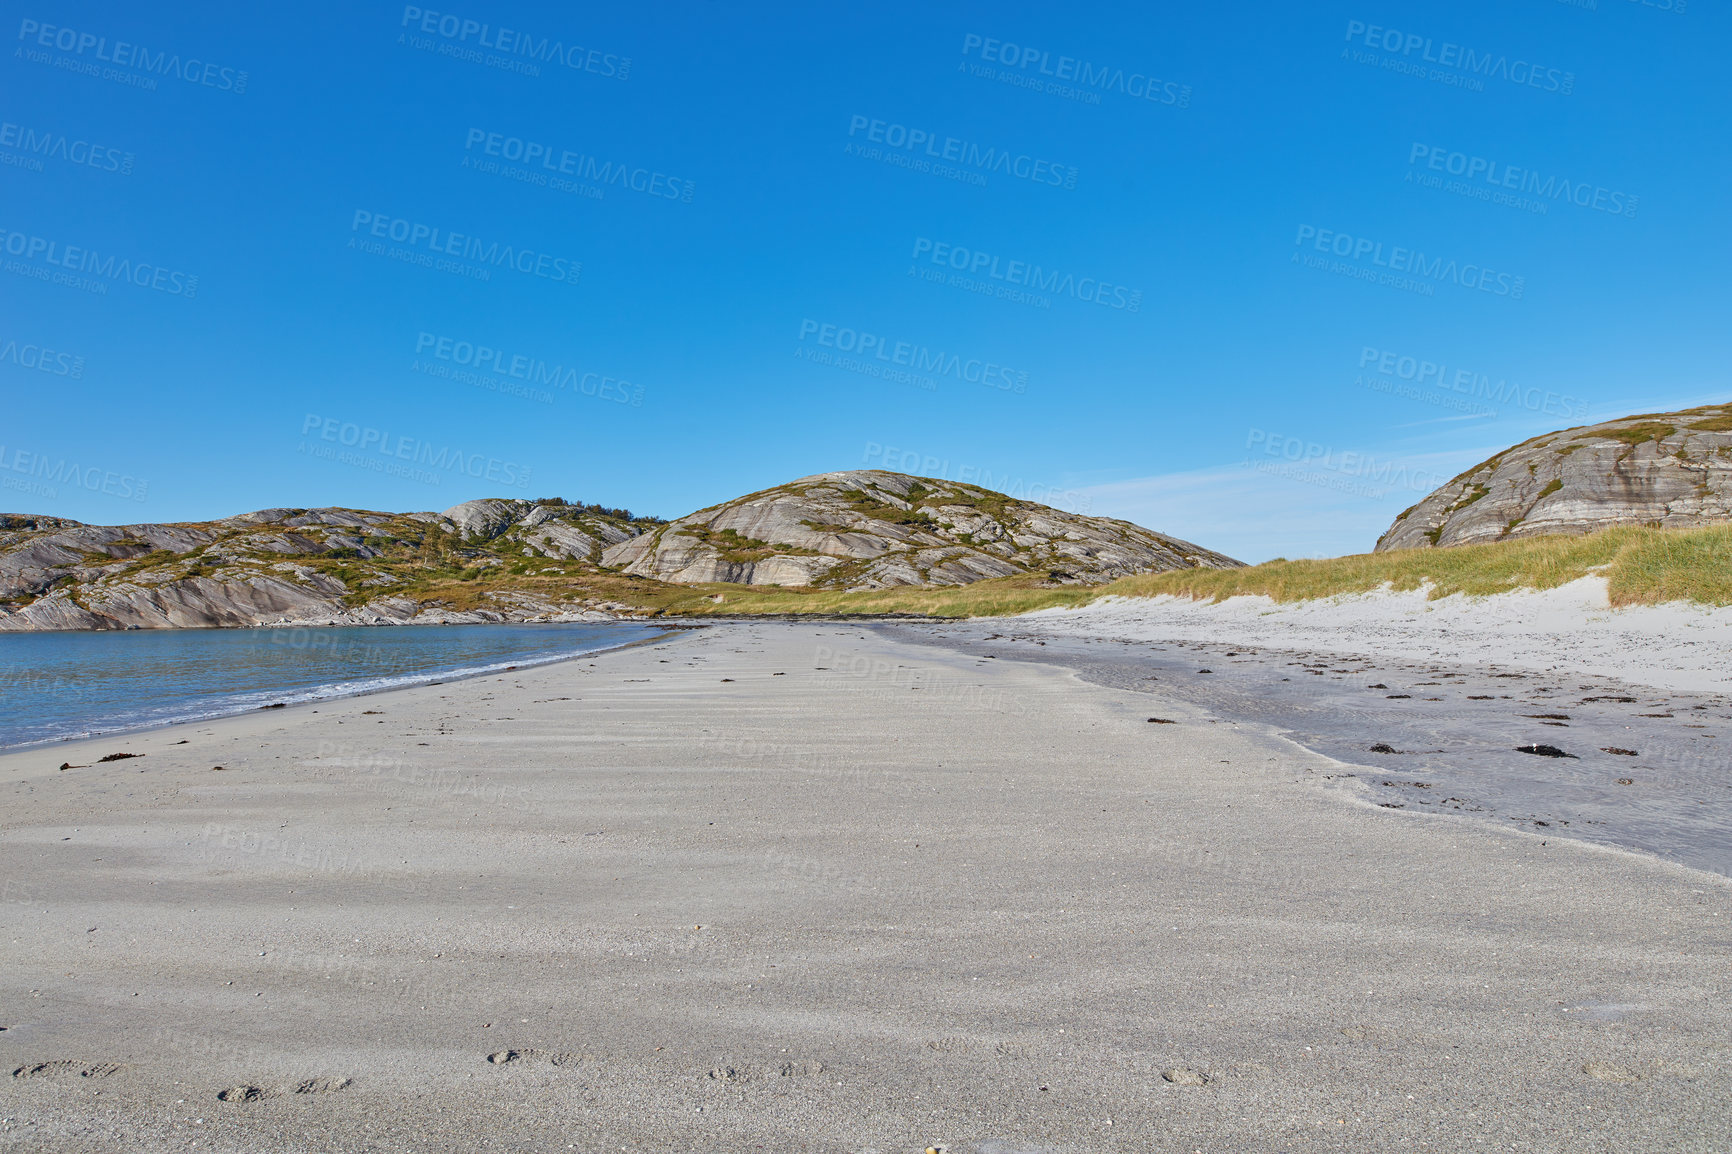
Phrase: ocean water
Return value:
(55, 686)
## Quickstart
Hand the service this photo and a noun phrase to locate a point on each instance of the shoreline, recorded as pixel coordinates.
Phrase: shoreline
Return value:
(298, 698)
(587, 617)
(1638, 769)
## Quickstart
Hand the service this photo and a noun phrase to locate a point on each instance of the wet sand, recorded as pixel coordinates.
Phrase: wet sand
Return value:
(1647, 768)
(815, 887)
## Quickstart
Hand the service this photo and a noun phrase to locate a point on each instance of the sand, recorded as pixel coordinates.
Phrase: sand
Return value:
(1570, 629)
(804, 887)
(1636, 766)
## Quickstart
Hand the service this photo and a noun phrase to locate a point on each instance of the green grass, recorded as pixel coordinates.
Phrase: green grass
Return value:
(1469, 498)
(999, 597)
(1642, 566)
(1694, 565)
(1639, 434)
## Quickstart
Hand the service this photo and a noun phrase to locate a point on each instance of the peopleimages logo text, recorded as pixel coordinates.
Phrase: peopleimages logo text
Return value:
(391, 449)
(58, 146)
(1409, 261)
(90, 478)
(914, 357)
(564, 162)
(78, 259)
(1137, 85)
(43, 360)
(531, 370)
(1026, 274)
(1401, 49)
(443, 242)
(1371, 471)
(953, 150)
(1469, 383)
(460, 30)
(886, 456)
(1524, 181)
(123, 54)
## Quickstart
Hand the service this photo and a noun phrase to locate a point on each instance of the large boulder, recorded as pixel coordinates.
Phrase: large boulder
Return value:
(1666, 469)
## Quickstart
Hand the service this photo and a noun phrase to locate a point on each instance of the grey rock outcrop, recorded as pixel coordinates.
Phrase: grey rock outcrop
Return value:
(303, 518)
(30, 563)
(486, 518)
(871, 529)
(35, 521)
(194, 602)
(279, 566)
(561, 532)
(1672, 470)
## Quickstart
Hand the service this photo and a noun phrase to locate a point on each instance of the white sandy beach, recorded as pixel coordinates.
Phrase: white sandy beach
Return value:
(796, 887)
(1570, 629)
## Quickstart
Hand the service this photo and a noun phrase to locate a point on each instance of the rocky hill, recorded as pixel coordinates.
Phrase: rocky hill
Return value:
(508, 560)
(870, 529)
(347, 566)
(1672, 470)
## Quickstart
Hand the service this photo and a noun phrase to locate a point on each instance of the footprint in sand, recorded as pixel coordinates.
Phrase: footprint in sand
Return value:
(729, 1074)
(734, 1075)
(249, 1093)
(243, 1094)
(551, 1057)
(323, 1085)
(1185, 1076)
(65, 1068)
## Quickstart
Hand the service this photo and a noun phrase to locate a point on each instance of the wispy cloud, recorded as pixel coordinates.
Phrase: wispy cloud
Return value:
(1255, 515)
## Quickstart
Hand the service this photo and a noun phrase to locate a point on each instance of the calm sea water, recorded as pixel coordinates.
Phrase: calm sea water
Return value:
(63, 685)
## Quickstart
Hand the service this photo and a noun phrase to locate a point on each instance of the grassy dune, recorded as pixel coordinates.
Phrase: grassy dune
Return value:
(1694, 565)
(1642, 567)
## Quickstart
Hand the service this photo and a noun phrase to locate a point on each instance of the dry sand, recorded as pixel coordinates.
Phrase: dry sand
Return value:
(1569, 629)
(799, 887)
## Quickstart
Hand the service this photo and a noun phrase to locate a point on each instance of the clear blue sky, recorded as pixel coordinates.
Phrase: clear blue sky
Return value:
(1235, 213)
